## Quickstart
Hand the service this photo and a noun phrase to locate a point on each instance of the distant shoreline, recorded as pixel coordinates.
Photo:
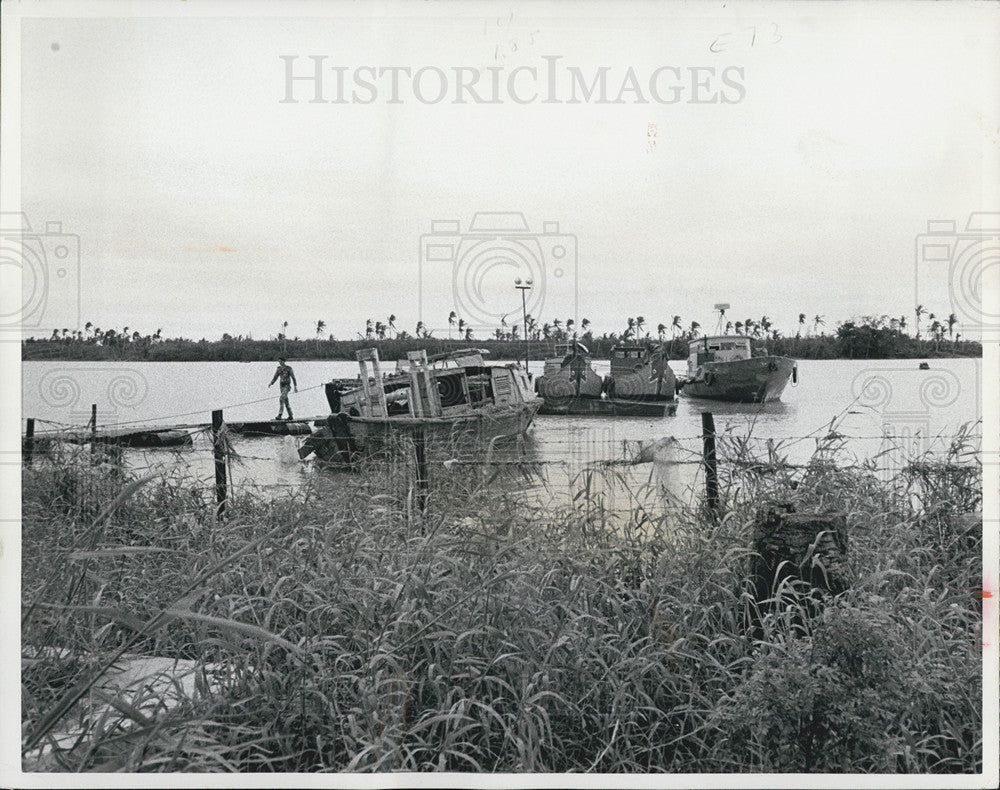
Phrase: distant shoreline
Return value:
(862, 344)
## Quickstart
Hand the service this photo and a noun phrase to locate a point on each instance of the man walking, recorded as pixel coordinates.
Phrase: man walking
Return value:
(285, 378)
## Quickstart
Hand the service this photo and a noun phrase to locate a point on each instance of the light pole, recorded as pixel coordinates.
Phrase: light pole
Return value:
(524, 287)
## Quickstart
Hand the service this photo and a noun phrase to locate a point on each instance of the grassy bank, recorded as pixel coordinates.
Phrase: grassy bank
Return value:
(348, 633)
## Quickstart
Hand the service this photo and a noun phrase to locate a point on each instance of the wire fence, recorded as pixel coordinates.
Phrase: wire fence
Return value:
(551, 468)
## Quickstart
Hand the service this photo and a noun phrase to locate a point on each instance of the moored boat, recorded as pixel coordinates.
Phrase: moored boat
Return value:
(640, 373)
(569, 374)
(448, 397)
(640, 385)
(722, 367)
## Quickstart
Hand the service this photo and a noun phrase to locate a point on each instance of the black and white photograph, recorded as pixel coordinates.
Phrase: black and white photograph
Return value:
(500, 393)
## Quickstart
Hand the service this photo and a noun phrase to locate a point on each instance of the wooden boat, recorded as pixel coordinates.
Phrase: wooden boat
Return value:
(569, 374)
(640, 385)
(722, 367)
(451, 397)
(640, 373)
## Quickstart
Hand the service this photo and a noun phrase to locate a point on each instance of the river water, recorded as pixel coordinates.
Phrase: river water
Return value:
(864, 400)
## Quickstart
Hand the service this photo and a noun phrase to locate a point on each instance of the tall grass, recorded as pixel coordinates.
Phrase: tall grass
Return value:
(495, 633)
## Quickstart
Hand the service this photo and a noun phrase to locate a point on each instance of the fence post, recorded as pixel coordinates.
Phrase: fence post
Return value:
(219, 452)
(420, 452)
(29, 441)
(711, 467)
(93, 429)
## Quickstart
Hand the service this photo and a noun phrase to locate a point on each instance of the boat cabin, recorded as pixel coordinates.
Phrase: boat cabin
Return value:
(440, 386)
(563, 352)
(717, 348)
(628, 359)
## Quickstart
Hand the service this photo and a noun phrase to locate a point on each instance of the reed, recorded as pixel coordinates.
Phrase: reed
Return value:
(499, 630)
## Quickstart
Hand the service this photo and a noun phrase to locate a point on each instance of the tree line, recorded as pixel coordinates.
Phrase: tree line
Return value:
(869, 337)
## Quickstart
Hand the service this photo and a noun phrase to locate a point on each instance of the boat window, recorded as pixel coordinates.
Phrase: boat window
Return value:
(450, 389)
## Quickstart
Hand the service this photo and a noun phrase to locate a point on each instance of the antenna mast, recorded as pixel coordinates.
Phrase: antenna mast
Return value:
(721, 307)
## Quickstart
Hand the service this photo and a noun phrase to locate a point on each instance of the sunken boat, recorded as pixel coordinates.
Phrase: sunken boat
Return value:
(446, 398)
(722, 367)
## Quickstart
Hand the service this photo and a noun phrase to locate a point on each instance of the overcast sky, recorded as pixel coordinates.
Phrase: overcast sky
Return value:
(794, 178)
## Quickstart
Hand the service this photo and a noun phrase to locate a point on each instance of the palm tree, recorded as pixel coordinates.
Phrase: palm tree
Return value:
(630, 330)
(380, 330)
(556, 324)
(585, 325)
(468, 333)
(320, 326)
(369, 329)
(461, 326)
(739, 327)
(765, 324)
(695, 326)
(452, 317)
(937, 332)
(420, 329)
(391, 322)
(570, 323)
(661, 330)
(729, 325)
(818, 322)
(952, 320)
(640, 322)
(919, 311)
(802, 323)
(546, 330)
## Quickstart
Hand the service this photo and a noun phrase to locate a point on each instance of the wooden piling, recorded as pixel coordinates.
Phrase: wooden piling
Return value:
(710, 461)
(420, 453)
(218, 450)
(29, 441)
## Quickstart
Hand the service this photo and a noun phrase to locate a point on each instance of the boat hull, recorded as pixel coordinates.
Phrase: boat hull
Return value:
(576, 379)
(755, 380)
(346, 438)
(610, 407)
